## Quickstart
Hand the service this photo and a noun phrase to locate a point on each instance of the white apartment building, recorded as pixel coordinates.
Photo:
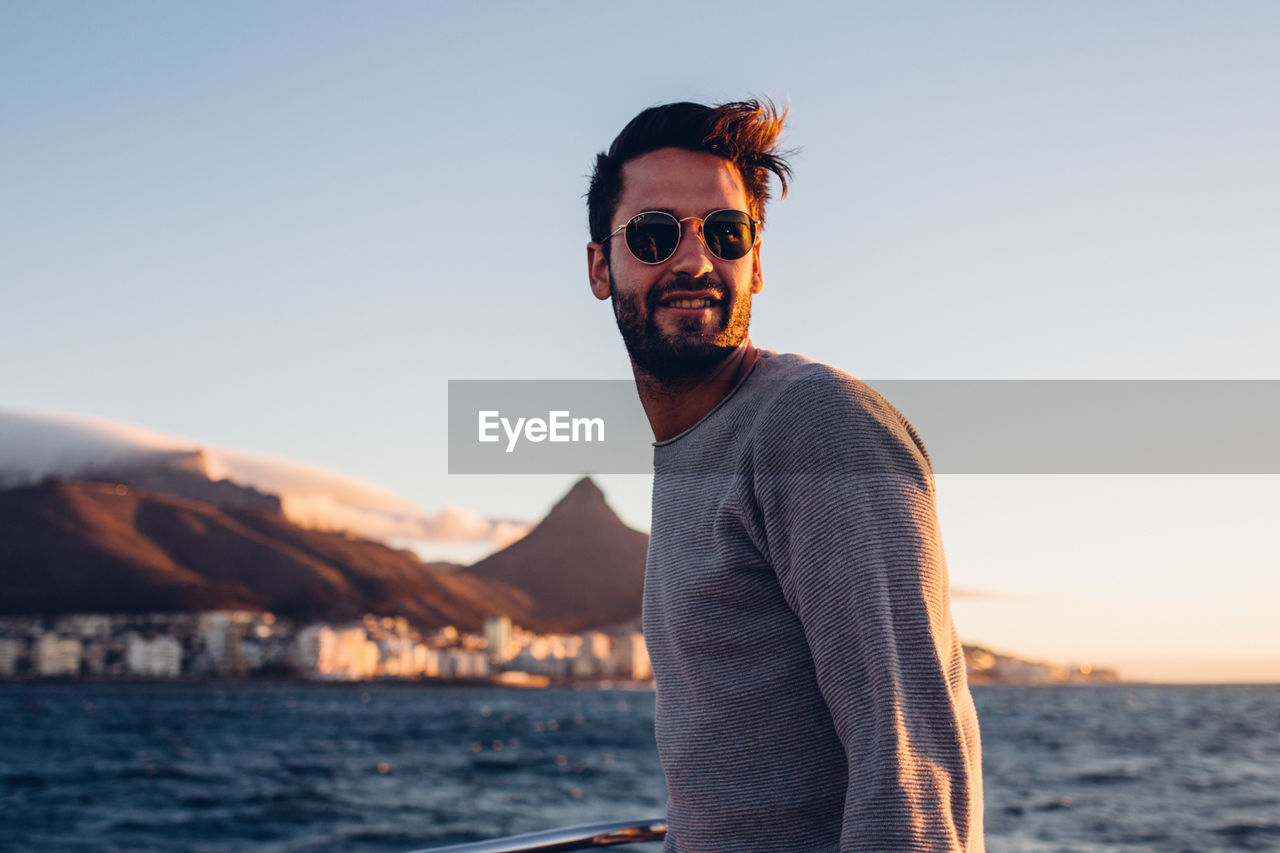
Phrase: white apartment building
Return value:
(344, 654)
(498, 638)
(158, 657)
(426, 661)
(631, 657)
(56, 655)
(595, 656)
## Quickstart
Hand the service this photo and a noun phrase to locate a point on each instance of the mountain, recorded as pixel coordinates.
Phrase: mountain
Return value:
(581, 567)
(91, 546)
(108, 548)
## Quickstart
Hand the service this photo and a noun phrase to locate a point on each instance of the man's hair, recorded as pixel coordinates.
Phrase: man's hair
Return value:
(743, 132)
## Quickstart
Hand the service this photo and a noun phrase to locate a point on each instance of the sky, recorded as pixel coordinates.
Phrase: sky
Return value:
(284, 227)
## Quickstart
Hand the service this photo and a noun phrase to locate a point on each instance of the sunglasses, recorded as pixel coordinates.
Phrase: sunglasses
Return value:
(654, 235)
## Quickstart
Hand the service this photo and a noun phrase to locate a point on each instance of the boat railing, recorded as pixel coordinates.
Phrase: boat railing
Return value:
(566, 838)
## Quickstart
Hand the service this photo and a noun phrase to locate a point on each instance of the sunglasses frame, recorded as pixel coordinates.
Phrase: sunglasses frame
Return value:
(701, 220)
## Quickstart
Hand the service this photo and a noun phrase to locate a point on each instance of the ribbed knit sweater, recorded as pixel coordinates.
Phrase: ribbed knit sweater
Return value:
(811, 690)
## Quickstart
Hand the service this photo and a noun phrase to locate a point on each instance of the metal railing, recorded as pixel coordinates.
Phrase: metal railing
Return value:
(566, 838)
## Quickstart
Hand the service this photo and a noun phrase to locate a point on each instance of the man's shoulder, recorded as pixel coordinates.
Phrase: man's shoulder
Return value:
(807, 392)
(815, 411)
(801, 377)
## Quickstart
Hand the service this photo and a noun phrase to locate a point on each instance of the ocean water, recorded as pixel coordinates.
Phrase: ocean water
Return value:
(394, 768)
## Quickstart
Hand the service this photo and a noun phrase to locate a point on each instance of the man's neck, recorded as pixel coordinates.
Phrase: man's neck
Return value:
(675, 405)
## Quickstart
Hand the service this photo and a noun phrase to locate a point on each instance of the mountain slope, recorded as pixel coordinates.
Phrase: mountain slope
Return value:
(92, 547)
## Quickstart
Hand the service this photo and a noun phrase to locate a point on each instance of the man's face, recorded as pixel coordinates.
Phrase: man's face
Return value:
(682, 317)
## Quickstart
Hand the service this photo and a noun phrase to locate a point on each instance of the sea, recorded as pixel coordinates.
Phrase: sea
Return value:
(293, 767)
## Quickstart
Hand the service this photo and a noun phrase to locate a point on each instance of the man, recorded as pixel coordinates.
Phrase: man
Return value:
(811, 691)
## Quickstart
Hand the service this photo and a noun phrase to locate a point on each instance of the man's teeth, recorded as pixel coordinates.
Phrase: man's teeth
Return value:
(689, 303)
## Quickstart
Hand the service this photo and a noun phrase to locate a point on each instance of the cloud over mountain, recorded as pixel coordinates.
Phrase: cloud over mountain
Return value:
(36, 446)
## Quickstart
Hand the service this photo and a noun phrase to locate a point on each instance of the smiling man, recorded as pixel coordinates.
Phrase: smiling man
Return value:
(811, 691)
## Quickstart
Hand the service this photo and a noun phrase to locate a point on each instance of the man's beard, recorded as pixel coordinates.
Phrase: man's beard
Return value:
(692, 351)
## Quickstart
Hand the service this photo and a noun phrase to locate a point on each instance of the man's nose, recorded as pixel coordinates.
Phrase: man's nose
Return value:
(691, 257)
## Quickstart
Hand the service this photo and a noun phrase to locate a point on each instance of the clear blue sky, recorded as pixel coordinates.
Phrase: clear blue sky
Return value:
(282, 227)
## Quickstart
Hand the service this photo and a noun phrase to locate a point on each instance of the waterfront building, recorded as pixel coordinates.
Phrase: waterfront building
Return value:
(426, 661)
(157, 657)
(12, 650)
(219, 638)
(346, 654)
(463, 663)
(631, 657)
(595, 656)
(93, 657)
(396, 657)
(305, 654)
(498, 638)
(56, 655)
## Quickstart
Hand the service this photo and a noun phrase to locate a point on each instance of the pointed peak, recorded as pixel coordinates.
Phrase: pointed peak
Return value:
(584, 499)
(586, 486)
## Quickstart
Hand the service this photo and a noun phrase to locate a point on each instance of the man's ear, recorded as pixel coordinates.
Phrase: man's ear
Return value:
(598, 270)
(757, 276)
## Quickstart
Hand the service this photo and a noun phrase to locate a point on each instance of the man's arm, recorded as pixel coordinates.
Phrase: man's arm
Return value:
(845, 499)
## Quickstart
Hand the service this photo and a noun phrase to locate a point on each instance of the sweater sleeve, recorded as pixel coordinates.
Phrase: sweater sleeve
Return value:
(843, 498)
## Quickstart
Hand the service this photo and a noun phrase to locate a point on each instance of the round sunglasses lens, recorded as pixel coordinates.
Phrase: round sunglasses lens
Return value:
(653, 237)
(729, 234)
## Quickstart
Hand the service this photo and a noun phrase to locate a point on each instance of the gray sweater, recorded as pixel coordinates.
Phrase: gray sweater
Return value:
(811, 691)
